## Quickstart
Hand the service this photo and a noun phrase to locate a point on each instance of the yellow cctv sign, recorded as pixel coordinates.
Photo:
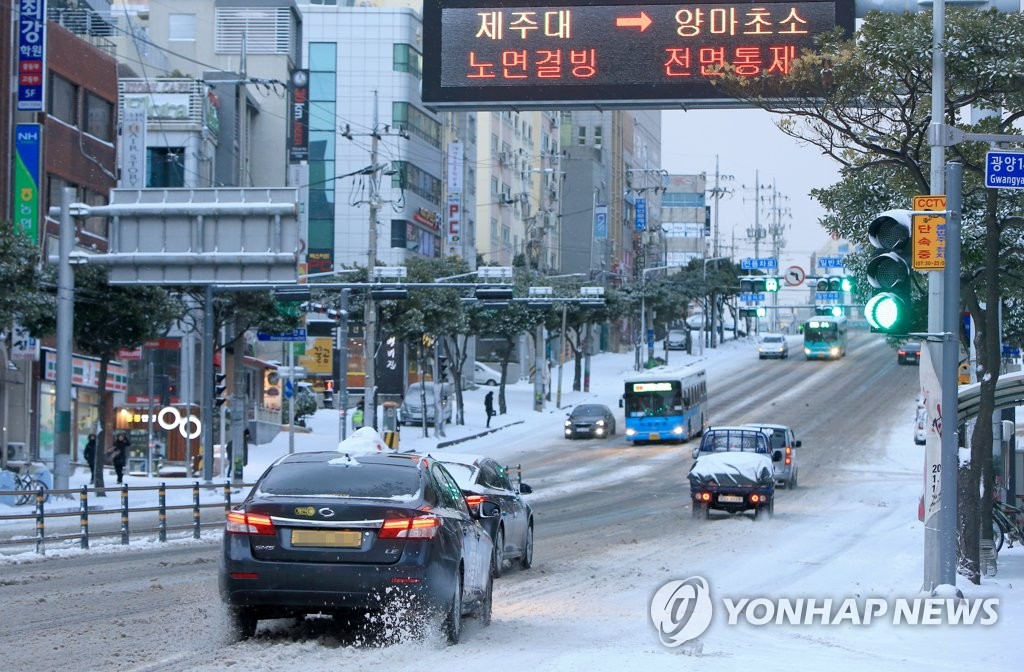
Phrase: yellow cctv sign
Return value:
(929, 234)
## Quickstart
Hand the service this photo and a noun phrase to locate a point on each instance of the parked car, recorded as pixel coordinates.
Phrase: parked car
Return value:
(677, 339)
(411, 410)
(484, 479)
(909, 353)
(590, 420)
(350, 534)
(485, 375)
(921, 426)
(772, 345)
(784, 439)
(732, 471)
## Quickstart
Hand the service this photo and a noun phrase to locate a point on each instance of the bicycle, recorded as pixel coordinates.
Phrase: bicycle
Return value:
(28, 487)
(1009, 521)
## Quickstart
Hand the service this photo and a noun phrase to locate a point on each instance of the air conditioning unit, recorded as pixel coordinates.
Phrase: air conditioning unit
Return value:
(503, 158)
(17, 452)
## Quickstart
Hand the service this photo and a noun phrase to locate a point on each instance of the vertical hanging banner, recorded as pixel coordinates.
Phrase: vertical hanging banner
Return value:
(455, 167)
(601, 222)
(133, 143)
(27, 147)
(298, 119)
(31, 55)
(454, 232)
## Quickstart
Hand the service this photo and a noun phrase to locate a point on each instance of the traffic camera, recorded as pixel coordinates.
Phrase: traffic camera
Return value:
(889, 272)
(220, 389)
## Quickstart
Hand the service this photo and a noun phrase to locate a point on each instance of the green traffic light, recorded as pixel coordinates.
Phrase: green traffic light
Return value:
(837, 311)
(771, 284)
(847, 285)
(884, 312)
(761, 311)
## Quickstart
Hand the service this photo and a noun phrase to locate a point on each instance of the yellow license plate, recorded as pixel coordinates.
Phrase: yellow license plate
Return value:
(655, 436)
(328, 538)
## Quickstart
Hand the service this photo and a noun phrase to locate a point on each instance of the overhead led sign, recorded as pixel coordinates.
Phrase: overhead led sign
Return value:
(593, 53)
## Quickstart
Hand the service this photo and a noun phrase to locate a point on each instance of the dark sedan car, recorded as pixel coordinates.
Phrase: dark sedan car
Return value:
(587, 420)
(483, 479)
(354, 535)
(909, 353)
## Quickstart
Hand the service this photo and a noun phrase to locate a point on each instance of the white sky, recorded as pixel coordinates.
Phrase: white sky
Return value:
(747, 142)
(849, 533)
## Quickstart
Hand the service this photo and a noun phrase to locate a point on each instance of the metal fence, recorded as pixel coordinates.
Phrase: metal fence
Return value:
(125, 531)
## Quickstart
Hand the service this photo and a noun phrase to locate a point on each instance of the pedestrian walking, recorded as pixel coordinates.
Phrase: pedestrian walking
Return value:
(119, 455)
(489, 406)
(357, 417)
(90, 454)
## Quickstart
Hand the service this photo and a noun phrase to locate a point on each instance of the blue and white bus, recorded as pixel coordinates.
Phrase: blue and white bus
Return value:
(824, 337)
(667, 408)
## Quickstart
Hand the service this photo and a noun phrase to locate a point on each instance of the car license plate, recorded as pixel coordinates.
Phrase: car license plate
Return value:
(655, 436)
(327, 538)
(730, 499)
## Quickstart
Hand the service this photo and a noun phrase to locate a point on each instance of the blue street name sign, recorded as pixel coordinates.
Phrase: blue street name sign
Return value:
(641, 214)
(751, 297)
(830, 262)
(828, 296)
(1004, 170)
(763, 263)
(293, 335)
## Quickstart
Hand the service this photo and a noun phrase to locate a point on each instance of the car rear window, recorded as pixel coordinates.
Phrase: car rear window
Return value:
(462, 473)
(341, 477)
(773, 339)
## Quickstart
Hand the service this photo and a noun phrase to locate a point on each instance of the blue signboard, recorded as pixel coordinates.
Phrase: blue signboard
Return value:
(830, 262)
(601, 222)
(759, 263)
(1004, 170)
(293, 335)
(828, 296)
(641, 214)
(31, 54)
(751, 297)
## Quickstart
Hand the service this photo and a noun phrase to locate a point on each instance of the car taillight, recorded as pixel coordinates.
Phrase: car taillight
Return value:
(474, 501)
(241, 522)
(754, 499)
(703, 497)
(789, 456)
(421, 527)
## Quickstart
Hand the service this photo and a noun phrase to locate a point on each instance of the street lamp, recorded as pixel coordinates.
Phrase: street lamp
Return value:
(643, 313)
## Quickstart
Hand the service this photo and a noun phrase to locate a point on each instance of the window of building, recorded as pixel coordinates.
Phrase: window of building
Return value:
(267, 30)
(494, 230)
(581, 135)
(181, 27)
(598, 136)
(323, 56)
(407, 59)
(165, 167)
(63, 100)
(410, 118)
(494, 143)
(494, 186)
(99, 117)
(471, 180)
(412, 178)
(398, 233)
(323, 85)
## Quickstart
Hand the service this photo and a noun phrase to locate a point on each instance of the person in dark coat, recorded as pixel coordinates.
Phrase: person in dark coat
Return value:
(90, 454)
(119, 455)
(489, 406)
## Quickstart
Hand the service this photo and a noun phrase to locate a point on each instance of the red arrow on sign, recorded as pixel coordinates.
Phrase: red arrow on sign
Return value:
(640, 22)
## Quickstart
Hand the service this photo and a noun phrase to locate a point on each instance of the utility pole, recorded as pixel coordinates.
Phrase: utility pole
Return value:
(369, 306)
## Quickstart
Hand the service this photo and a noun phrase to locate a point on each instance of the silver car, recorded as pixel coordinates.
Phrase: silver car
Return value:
(411, 410)
(784, 441)
(772, 345)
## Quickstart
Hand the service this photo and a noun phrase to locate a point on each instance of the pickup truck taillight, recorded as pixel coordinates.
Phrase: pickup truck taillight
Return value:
(789, 455)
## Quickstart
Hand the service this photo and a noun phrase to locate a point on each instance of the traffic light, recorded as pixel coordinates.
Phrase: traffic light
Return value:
(823, 310)
(753, 311)
(888, 272)
(442, 366)
(835, 284)
(220, 389)
(760, 284)
(846, 284)
(771, 284)
(746, 285)
(821, 285)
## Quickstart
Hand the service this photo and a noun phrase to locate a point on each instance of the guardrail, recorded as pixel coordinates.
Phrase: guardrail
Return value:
(41, 516)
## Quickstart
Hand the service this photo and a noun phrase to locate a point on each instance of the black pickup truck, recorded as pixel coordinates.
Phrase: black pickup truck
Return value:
(732, 471)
